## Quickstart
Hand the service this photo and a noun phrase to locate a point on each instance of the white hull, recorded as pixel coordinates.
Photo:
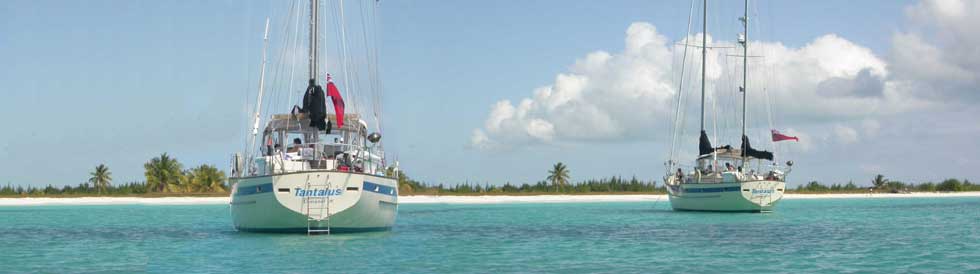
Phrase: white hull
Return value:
(754, 196)
(281, 203)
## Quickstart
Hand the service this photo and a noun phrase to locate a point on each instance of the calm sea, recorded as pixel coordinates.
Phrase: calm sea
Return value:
(929, 235)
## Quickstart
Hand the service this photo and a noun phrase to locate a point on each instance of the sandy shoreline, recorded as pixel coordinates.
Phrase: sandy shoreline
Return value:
(113, 201)
(424, 199)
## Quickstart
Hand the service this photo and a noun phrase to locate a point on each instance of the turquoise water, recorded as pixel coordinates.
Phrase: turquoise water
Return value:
(933, 235)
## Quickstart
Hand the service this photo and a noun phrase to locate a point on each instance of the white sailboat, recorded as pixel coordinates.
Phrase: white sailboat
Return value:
(310, 176)
(740, 186)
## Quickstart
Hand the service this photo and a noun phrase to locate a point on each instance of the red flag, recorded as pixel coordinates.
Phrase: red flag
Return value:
(776, 137)
(338, 102)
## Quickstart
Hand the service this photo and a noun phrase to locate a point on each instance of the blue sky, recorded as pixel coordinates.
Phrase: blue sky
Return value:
(119, 82)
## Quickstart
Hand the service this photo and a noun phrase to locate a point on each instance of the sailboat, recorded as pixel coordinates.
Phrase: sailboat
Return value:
(724, 178)
(314, 172)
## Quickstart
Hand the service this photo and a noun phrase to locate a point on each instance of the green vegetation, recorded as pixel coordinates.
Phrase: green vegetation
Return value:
(557, 182)
(101, 178)
(879, 181)
(558, 176)
(163, 174)
(164, 177)
(80, 190)
(206, 178)
(881, 185)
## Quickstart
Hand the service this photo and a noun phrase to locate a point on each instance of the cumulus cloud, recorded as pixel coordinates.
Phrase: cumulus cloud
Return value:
(602, 97)
(626, 95)
(830, 81)
(940, 51)
(865, 84)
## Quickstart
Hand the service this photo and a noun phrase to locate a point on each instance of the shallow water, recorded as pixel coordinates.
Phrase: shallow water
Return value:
(933, 235)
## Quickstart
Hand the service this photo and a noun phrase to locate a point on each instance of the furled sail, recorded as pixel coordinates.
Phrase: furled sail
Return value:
(747, 150)
(315, 105)
(704, 145)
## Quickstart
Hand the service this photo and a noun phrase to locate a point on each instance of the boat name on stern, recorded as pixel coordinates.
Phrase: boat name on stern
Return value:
(763, 192)
(300, 192)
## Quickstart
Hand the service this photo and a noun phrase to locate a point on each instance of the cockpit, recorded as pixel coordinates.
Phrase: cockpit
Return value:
(290, 144)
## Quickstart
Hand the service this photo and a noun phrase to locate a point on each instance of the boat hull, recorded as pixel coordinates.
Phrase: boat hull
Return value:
(755, 196)
(285, 203)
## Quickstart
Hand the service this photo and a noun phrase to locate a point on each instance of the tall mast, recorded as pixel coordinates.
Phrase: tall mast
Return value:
(258, 100)
(745, 61)
(704, 54)
(313, 31)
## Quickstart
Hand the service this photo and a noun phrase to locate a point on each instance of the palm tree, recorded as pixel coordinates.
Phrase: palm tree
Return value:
(101, 177)
(879, 181)
(558, 175)
(206, 178)
(163, 173)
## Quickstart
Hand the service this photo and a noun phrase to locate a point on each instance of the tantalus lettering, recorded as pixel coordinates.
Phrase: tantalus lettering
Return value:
(300, 192)
(762, 191)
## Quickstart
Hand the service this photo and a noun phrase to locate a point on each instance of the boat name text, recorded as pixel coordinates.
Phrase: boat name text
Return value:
(761, 191)
(300, 192)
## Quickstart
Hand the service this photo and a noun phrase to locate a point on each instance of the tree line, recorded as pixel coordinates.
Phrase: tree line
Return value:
(879, 184)
(163, 174)
(557, 182)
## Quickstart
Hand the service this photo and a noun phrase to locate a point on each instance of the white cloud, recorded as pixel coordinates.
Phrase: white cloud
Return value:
(480, 140)
(602, 97)
(805, 143)
(940, 51)
(845, 134)
(920, 60)
(627, 95)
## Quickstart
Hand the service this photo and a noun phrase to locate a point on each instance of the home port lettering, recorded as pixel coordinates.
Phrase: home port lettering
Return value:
(300, 192)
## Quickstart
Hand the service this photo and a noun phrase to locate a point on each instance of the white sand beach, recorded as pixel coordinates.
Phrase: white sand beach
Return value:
(113, 201)
(422, 199)
(426, 199)
(884, 195)
(495, 199)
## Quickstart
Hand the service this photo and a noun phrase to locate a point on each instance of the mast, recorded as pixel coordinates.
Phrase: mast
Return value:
(745, 74)
(313, 49)
(258, 101)
(704, 54)
(745, 61)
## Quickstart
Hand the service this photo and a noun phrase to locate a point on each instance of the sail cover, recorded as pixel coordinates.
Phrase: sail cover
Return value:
(314, 104)
(747, 150)
(704, 145)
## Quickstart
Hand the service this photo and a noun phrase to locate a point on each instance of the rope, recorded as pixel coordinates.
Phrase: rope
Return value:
(680, 94)
(295, 50)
